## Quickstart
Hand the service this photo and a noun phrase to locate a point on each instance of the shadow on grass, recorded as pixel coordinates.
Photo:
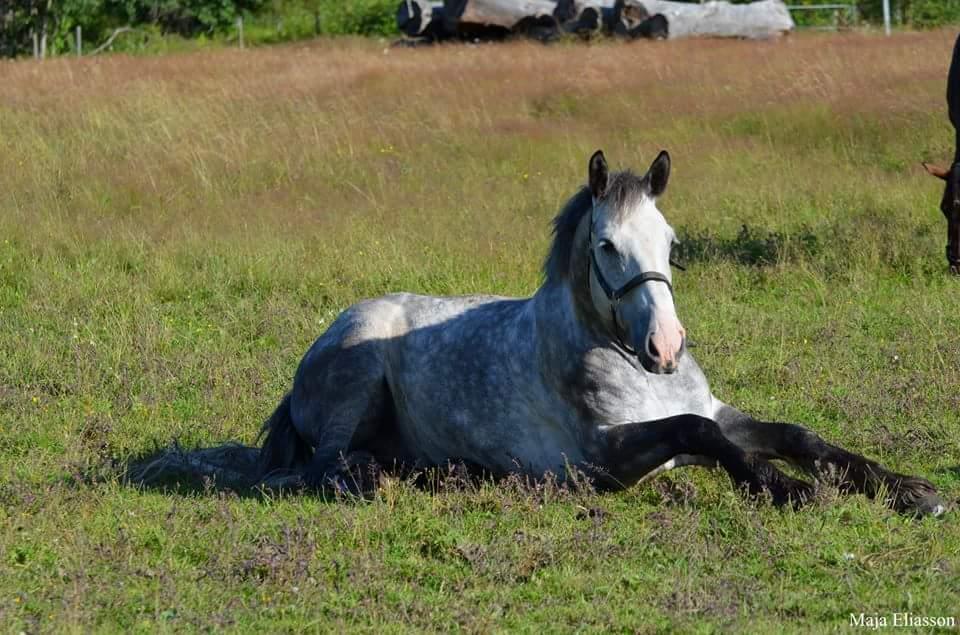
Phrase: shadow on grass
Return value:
(174, 469)
(953, 470)
(751, 246)
(234, 468)
(836, 246)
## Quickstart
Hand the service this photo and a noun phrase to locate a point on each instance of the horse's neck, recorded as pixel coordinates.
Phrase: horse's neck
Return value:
(567, 323)
(568, 352)
(572, 291)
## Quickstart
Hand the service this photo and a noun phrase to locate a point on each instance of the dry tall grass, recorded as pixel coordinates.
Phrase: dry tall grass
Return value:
(298, 135)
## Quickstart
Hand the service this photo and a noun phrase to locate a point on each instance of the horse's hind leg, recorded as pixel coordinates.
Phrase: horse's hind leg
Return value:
(339, 395)
(807, 450)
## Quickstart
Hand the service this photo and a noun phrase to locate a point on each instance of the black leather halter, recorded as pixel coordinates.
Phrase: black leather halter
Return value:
(616, 295)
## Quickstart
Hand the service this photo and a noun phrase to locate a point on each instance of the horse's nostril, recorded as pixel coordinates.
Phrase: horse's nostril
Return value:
(652, 349)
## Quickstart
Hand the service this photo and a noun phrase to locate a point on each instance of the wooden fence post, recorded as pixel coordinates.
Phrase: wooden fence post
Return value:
(240, 30)
(79, 41)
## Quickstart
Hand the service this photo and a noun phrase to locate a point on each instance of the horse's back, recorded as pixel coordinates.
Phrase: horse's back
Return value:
(464, 380)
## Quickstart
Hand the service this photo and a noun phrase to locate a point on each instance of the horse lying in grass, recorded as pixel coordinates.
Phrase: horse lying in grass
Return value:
(591, 372)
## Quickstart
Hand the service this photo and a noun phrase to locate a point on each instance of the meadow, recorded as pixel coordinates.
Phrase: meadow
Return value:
(175, 231)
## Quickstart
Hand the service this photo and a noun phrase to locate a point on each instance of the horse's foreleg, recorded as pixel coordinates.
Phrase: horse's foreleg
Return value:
(807, 450)
(632, 451)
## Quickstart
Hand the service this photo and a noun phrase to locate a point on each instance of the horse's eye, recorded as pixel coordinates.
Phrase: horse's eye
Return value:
(608, 247)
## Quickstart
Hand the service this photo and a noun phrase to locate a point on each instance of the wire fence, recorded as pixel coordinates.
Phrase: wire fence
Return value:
(839, 15)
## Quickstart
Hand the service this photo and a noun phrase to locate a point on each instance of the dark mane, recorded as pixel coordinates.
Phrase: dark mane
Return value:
(623, 188)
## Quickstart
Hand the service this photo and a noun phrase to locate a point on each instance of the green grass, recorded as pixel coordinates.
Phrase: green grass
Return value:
(175, 232)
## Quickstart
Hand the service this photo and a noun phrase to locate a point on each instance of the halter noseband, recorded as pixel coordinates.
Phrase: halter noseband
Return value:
(616, 295)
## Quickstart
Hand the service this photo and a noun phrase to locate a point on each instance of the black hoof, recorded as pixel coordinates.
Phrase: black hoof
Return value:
(916, 496)
(791, 491)
(327, 484)
(284, 483)
(783, 490)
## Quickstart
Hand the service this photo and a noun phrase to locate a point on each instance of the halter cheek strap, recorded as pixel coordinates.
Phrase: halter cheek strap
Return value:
(616, 295)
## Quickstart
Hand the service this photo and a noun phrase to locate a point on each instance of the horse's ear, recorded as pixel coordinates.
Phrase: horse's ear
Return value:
(599, 175)
(659, 174)
(937, 171)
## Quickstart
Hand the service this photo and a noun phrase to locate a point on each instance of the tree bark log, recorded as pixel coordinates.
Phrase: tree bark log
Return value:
(717, 18)
(497, 13)
(543, 19)
(420, 18)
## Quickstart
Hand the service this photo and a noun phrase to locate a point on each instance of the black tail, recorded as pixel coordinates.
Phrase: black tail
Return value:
(231, 465)
(283, 448)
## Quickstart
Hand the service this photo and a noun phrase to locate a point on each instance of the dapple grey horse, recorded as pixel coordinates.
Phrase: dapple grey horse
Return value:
(590, 372)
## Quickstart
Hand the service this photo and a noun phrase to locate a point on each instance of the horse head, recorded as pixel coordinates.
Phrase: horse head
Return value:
(629, 263)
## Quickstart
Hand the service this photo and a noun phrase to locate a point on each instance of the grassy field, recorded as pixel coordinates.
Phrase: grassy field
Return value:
(175, 231)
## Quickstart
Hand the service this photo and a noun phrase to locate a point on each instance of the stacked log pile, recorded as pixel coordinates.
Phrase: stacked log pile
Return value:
(545, 20)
